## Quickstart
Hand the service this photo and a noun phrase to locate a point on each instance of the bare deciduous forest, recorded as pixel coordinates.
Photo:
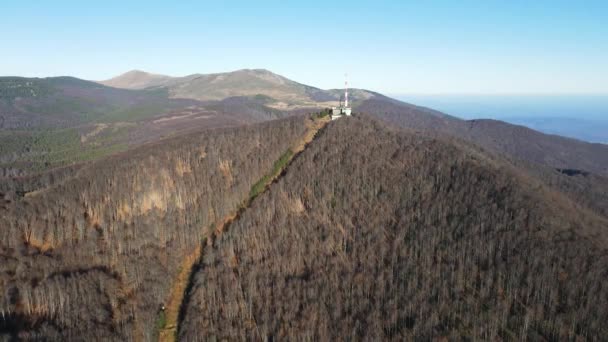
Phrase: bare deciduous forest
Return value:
(540, 155)
(370, 232)
(377, 234)
(91, 253)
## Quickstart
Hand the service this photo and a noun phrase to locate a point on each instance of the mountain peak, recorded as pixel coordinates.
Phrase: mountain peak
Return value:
(136, 79)
(135, 72)
(254, 71)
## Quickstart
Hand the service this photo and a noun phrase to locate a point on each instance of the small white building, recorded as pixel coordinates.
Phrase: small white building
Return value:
(338, 112)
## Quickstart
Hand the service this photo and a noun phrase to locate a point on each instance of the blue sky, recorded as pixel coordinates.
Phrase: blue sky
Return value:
(396, 47)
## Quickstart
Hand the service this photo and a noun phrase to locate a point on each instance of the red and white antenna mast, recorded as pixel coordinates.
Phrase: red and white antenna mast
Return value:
(345, 90)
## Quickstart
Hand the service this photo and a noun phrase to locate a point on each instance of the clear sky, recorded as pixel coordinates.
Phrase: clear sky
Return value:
(415, 47)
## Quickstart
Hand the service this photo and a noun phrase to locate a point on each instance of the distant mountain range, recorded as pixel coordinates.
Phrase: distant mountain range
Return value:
(285, 93)
(56, 121)
(139, 107)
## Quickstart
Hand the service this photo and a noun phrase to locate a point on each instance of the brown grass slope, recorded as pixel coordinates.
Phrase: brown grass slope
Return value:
(378, 234)
(94, 254)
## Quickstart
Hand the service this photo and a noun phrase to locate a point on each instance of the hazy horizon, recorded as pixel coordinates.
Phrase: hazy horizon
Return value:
(579, 116)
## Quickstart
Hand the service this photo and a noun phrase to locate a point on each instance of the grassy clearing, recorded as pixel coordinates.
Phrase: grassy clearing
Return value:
(318, 121)
(161, 321)
(278, 166)
(322, 114)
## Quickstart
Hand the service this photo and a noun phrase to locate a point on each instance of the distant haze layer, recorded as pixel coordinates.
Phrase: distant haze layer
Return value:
(583, 117)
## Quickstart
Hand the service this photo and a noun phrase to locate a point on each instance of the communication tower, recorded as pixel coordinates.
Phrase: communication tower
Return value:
(343, 109)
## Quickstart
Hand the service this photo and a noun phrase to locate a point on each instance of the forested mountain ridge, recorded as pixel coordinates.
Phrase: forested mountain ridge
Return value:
(574, 167)
(371, 232)
(67, 101)
(93, 256)
(512, 140)
(379, 234)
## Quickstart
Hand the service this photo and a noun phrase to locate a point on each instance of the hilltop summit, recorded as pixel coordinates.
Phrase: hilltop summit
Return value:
(136, 79)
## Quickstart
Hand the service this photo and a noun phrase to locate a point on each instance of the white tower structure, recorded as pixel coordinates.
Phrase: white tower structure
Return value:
(344, 109)
(346, 90)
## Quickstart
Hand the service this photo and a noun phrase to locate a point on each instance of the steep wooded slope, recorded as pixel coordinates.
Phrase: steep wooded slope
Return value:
(60, 102)
(576, 168)
(515, 141)
(378, 234)
(93, 255)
